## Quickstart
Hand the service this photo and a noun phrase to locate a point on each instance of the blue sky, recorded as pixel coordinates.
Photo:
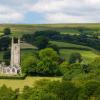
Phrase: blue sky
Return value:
(49, 11)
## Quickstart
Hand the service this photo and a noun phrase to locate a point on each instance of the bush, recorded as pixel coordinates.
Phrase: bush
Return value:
(22, 77)
(88, 90)
(75, 57)
(7, 93)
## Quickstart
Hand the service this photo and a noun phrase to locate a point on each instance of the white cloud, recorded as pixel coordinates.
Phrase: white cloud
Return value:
(62, 11)
(64, 18)
(47, 6)
(58, 11)
(8, 15)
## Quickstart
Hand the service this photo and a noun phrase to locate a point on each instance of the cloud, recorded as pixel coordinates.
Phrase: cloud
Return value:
(63, 11)
(8, 15)
(53, 11)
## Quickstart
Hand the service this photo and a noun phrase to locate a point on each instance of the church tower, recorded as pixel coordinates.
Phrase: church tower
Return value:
(15, 52)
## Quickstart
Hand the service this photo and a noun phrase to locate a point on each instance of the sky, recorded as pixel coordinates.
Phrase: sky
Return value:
(49, 11)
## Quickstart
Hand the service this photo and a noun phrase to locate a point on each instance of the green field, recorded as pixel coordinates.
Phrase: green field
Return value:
(66, 49)
(29, 81)
(70, 45)
(88, 56)
(63, 28)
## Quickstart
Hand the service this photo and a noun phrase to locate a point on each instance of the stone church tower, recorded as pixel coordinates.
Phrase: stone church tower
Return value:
(15, 52)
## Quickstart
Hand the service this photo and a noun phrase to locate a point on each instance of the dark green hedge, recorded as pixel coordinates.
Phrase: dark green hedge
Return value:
(21, 77)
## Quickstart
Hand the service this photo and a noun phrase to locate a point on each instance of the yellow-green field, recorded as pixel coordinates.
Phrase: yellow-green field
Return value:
(21, 29)
(29, 81)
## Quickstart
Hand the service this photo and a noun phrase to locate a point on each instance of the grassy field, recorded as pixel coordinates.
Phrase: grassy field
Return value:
(70, 45)
(19, 30)
(66, 49)
(88, 56)
(29, 81)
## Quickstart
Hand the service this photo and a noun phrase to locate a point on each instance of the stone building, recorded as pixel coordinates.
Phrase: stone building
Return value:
(14, 67)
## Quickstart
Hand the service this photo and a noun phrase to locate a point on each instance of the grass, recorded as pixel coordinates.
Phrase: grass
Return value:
(20, 29)
(29, 81)
(88, 56)
(70, 45)
(27, 46)
(66, 49)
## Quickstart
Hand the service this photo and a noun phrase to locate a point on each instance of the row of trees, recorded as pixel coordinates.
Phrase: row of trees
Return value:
(83, 38)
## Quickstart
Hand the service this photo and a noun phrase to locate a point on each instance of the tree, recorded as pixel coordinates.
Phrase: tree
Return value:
(48, 64)
(47, 33)
(41, 42)
(45, 64)
(47, 67)
(6, 57)
(54, 47)
(49, 53)
(75, 57)
(7, 31)
(5, 43)
(29, 65)
(64, 67)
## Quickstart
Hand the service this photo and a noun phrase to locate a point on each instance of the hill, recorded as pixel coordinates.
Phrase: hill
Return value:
(66, 49)
(64, 28)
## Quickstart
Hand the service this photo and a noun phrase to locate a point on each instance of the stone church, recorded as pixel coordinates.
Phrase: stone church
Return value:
(14, 67)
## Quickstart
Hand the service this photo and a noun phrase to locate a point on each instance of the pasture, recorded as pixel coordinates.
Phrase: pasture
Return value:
(88, 56)
(19, 30)
(29, 81)
(66, 49)
(66, 45)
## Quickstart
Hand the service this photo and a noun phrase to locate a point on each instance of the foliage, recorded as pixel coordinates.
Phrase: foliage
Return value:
(7, 93)
(64, 67)
(48, 67)
(41, 42)
(45, 63)
(29, 65)
(4, 43)
(6, 57)
(75, 57)
(51, 90)
(21, 77)
(88, 91)
(7, 31)
(48, 53)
